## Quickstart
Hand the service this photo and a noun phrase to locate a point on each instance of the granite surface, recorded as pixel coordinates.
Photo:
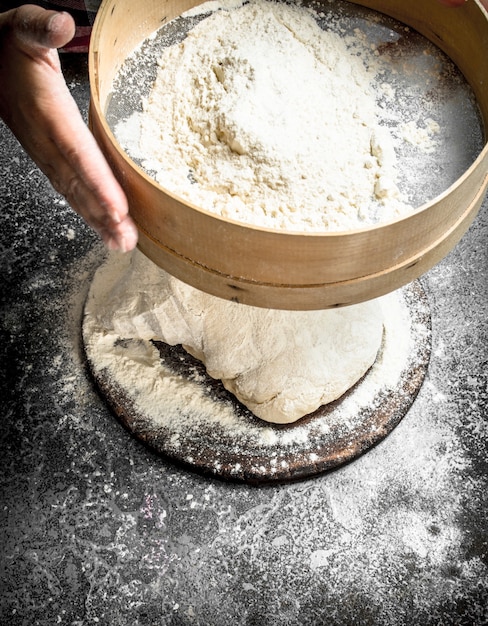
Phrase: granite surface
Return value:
(97, 529)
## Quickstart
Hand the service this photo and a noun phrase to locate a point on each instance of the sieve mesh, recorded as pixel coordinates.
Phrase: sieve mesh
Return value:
(426, 82)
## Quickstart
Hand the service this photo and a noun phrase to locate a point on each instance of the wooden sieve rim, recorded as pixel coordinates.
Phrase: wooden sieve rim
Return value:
(265, 267)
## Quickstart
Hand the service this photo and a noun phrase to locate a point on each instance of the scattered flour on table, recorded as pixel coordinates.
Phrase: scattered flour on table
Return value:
(401, 514)
(261, 116)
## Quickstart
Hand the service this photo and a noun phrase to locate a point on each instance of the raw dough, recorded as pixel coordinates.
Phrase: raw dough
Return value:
(282, 365)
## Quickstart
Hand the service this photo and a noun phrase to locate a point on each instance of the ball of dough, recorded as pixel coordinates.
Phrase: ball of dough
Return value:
(282, 365)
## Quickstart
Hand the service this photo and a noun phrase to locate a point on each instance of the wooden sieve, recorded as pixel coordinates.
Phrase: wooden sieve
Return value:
(270, 268)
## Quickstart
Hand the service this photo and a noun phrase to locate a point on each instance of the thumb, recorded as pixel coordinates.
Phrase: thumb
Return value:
(36, 27)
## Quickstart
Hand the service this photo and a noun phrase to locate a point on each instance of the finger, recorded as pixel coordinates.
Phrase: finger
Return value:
(94, 183)
(36, 27)
(106, 212)
(78, 169)
(120, 233)
(85, 202)
(122, 237)
(71, 158)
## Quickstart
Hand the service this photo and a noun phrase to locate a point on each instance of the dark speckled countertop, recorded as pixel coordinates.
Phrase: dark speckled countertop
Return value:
(97, 529)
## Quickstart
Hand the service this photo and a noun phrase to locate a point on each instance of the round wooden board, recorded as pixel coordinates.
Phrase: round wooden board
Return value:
(245, 448)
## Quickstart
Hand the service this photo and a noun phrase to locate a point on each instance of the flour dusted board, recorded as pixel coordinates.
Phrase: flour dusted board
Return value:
(202, 426)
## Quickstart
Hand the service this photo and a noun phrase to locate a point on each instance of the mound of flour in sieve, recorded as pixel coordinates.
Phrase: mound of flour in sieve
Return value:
(261, 116)
(282, 365)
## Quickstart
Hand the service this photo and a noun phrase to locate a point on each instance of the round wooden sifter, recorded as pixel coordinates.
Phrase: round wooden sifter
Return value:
(215, 434)
(276, 269)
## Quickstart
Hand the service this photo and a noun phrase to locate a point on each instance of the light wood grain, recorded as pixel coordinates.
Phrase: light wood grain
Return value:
(286, 270)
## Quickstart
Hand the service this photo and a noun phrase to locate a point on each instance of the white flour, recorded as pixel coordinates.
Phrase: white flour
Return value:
(398, 518)
(261, 116)
(183, 404)
(186, 416)
(282, 365)
(422, 137)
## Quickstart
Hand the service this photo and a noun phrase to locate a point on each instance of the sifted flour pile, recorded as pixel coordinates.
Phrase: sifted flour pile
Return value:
(261, 116)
